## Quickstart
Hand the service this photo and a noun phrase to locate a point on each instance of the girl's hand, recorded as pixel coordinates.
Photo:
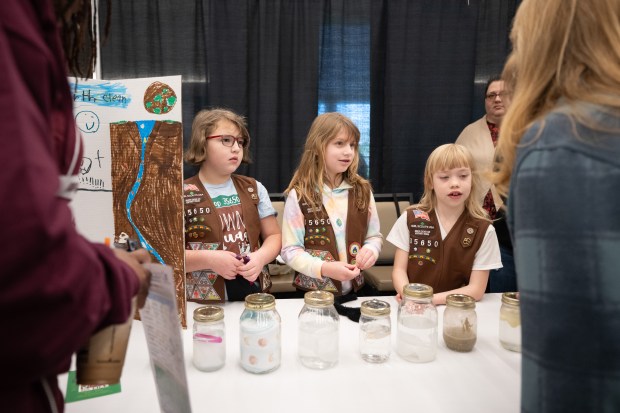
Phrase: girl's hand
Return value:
(224, 263)
(438, 299)
(135, 260)
(253, 268)
(339, 270)
(398, 298)
(365, 258)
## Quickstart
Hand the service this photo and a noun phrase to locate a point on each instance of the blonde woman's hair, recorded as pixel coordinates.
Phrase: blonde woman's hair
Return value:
(444, 158)
(562, 49)
(204, 124)
(310, 175)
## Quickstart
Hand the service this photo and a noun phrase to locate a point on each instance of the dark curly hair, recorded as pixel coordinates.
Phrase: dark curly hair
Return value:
(76, 20)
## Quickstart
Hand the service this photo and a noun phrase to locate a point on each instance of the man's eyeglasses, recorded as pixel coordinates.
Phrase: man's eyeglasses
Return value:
(229, 140)
(493, 95)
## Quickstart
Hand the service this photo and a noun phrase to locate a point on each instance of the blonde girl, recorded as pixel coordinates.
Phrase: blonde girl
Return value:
(560, 165)
(330, 224)
(231, 232)
(446, 240)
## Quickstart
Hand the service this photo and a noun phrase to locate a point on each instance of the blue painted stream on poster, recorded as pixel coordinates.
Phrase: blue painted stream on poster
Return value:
(144, 127)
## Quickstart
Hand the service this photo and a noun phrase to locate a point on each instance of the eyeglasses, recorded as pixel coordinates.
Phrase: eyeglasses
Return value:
(493, 95)
(229, 140)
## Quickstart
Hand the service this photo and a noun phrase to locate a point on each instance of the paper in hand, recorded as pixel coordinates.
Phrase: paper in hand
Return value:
(163, 336)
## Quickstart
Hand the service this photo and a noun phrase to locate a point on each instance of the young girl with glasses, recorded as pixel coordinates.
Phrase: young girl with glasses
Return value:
(446, 240)
(231, 232)
(330, 224)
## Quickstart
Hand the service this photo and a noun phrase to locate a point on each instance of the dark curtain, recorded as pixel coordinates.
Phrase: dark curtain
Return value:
(492, 46)
(158, 38)
(411, 73)
(429, 61)
(282, 76)
(423, 55)
(258, 58)
(344, 71)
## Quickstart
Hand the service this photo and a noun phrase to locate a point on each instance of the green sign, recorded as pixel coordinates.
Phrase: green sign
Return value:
(77, 392)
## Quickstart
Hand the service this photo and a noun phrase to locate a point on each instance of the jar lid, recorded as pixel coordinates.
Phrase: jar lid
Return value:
(260, 301)
(319, 298)
(510, 298)
(208, 313)
(418, 290)
(460, 301)
(375, 308)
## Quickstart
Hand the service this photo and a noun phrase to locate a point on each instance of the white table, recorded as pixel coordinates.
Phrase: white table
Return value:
(484, 380)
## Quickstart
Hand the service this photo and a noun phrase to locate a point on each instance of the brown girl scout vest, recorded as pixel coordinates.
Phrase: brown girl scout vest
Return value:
(320, 241)
(442, 264)
(203, 231)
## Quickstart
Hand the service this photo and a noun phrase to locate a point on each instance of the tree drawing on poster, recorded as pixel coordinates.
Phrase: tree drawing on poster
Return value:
(131, 173)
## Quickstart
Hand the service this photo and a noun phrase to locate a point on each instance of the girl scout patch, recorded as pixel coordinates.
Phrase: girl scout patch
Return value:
(420, 214)
(203, 245)
(323, 255)
(354, 248)
(468, 237)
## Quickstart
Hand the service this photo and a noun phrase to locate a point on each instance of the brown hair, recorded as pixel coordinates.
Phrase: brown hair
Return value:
(310, 176)
(493, 78)
(76, 20)
(205, 122)
(562, 49)
(444, 158)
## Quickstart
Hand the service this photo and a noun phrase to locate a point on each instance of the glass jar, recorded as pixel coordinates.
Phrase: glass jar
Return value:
(460, 322)
(416, 338)
(510, 322)
(375, 331)
(209, 338)
(259, 334)
(318, 325)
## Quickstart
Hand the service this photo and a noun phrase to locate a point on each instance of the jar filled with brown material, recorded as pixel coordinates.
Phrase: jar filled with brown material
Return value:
(460, 322)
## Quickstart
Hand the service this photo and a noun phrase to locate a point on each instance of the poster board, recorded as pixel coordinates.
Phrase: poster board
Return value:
(131, 174)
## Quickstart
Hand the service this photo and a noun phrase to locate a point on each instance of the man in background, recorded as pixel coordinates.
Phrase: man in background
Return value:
(480, 138)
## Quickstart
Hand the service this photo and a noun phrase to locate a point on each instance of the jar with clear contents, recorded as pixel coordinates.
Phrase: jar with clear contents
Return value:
(318, 331)
(460, 322)
(416, 339)
(510, 322)
(375, 331)
(260, 345)
(209, 338)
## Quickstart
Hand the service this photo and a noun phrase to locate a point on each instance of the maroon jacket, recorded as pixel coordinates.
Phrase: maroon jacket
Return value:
(56, 288)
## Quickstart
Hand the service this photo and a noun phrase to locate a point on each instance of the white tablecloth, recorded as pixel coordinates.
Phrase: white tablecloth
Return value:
(484, 380)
